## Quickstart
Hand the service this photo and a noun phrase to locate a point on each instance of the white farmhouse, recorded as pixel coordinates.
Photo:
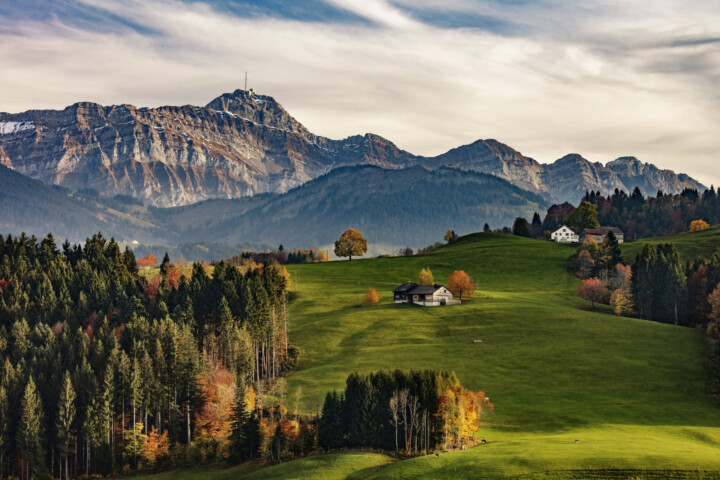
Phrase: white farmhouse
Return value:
(565, 234)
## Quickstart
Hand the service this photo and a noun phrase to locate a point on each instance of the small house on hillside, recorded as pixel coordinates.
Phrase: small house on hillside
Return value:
(565, 234)
(575, 235)
(425, 295)
(599, 234)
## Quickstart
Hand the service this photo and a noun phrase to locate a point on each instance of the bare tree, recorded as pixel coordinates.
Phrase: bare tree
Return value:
(394, 410)
(414, 404)
(404, 398)
(281, 391)
(298, 396)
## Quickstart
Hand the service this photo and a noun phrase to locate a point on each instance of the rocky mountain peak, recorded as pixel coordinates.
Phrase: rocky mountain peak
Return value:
(572, 159)
(262, 109)
(243, 143)
(629, 166)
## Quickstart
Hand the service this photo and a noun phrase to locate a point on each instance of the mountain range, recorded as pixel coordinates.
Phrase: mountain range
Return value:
(243, 144)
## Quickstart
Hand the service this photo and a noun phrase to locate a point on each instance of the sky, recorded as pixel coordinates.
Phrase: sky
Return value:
(604, 79)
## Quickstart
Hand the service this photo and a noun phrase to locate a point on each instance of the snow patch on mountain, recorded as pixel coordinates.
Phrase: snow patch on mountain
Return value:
(8, 128)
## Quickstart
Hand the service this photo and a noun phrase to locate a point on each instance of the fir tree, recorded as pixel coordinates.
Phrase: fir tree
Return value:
(521, 227)
(30, 432)
(64, 421)
(239, 441)
(165, 266)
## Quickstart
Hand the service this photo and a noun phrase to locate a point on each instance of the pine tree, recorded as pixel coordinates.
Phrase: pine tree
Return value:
(240, 447)
(30, 431)
(643, 281)
(521, 227)
(64, 421)
(670, 284)
(252, 435)
(610, 253)
(165, 266)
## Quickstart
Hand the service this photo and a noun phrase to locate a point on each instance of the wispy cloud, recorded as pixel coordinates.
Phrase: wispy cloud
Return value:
(604, 79)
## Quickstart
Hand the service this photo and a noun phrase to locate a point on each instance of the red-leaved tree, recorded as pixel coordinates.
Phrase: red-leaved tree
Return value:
(592, 289)
(147, 262)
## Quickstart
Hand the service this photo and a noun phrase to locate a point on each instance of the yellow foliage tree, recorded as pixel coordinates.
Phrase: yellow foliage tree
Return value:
(250, 397)
(460, 411)
(426, 277)
(350, 243)
(371, 297)
(322, 257)
(622, 300)
(288, 278)
(134, 441)
(697, 225)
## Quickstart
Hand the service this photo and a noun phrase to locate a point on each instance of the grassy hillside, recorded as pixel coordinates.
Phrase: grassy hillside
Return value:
(689, 244)
(635, 393)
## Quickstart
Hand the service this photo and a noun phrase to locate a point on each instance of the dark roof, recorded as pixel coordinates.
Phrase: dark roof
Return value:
(425, 289)
(405, 287)
(603, 231)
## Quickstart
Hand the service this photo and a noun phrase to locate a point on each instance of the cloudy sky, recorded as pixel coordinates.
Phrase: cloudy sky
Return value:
(604, 78)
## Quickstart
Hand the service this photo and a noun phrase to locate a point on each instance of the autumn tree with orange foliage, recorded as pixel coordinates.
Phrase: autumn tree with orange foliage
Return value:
(697, 225)
(213, 420)
(156, 447)
(592, 289)
(371, 297)
(173, 277)
(147, 262)
(460, 284)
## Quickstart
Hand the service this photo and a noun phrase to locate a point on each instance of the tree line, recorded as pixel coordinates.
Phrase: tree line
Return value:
(657, 286)
(410, 412)
(639, 216)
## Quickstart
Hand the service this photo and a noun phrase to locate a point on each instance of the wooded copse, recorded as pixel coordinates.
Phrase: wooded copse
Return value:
(103, 371)
(410, 412)
(657, 286)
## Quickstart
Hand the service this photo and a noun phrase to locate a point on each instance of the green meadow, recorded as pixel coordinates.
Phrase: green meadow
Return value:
(578, 393)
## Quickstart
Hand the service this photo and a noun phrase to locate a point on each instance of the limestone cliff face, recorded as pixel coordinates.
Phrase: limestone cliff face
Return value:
(239, 145)
(568, 178)
(242, 144)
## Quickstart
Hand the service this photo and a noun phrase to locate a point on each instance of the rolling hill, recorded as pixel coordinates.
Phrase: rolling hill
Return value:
(636, 394)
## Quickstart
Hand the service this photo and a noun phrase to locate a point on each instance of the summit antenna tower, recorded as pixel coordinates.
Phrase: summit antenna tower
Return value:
(246, 81)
